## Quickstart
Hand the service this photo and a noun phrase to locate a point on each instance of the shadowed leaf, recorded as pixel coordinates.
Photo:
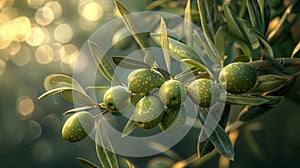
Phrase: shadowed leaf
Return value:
(104, 149)
(255, 15)
(71, 95)
(165, 44)
(84, 108)
(129, 127)
(102, 62)
(177, 49)
(131, 25)
(129, 63)
(235, 99)
(267, 83)
(216, 134)
(188, 25)
(87, 163)
(124, 163)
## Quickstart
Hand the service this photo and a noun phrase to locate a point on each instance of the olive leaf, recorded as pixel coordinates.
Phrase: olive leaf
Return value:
(196, 64)
(241, 58)
(212, 53)
(86, 163)
(71, 95)
(104, 149)
(165, 44)
(263, 41)
(129, 63)
(102, 62)
(265, 10)
(206, 146)
(255, 15)
(131, 25)
(84, 108)
(296, 50)
(178, 50)
(242, 99)
(218, 136)
(125, 163)
(267, 83)
(286, 22)
(249, 113)
(188, 25)
(234, 26)
(60, 80)
(220, 43)
(205, 18)
(129, 127)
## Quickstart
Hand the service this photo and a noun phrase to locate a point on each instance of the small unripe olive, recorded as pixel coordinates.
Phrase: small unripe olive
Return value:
(144, 80)
(122, 39)
(148, 112)
(116, 98)
(172, 93)
(203, 91)
(238, 77)
(78, 126)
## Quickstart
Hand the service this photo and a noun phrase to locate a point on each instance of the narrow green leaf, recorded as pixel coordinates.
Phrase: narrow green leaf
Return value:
(252, 112)
(129, 63)
(220, 43)
(255, 15)
(194, 63)
(71, 95)
(188, 26)
(84, 108)
(234, 26)
(235, 99)
(54, 91)
(205, 147)
(267, 83)
(286, 22)
(205, 18)
(296, 50)
(178, 50)
(129, 127)
(77, 97)
(86, 163)
(218, 136)
(165, 43)
(60, 80)
(104, 149)
(102, 62)
(209, 47)
(264, 42)
(131, 25)
(265, 10)
(125, 163)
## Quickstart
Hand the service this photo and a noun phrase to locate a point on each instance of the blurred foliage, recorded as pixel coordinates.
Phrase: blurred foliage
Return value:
(39, 37)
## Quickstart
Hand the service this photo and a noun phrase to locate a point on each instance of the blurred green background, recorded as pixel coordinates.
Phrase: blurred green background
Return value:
(40, 37)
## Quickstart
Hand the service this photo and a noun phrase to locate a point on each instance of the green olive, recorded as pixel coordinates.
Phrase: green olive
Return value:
(238, 77)
(148, 112)
(203, 91)
(172, 93)
(143, 81)
(78, 126)
(116, 98)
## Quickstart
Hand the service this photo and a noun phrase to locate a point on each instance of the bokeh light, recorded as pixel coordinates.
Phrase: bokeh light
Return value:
(44, 16)
(35, 37)
(25, 106)
(91, 11)
(4, 3)
(69, 54)
(34, 3)
(41, 151)
(44, 54)
(23, 57)
(63, 33)
(55, 7)
(51, 123)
